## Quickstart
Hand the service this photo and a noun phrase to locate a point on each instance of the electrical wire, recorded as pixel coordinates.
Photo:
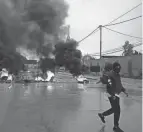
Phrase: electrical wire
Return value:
(94, 31)
(113, 21)
(112, 25)
(115, 50)
(123, 21)
(124, 13)
(109, 24)
(123, 33)
(120, 47)
(118, 50)
(97, 27)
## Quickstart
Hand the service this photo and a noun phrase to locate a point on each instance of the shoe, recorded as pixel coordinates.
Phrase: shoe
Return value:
(101, 117)
(117, 129)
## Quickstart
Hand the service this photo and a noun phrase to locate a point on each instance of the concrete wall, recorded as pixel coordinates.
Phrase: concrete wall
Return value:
(131, 65)
(136, 65)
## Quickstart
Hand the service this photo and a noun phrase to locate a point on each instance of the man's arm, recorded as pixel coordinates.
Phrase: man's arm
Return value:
(123, 89)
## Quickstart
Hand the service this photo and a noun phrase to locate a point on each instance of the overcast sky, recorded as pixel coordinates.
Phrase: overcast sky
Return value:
(86, 15)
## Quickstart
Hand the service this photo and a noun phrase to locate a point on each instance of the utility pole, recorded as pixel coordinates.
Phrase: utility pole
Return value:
(68, 34)
(100, 28)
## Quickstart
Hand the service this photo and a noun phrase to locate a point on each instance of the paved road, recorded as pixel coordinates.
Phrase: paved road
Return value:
(63, 108)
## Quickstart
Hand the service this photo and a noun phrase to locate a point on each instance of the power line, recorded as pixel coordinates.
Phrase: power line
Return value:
(125, 13)
(119, 50)
(120, 47)
(116, 49)
(94, 31)
(123, 21)
(123, 33)
(109, 24)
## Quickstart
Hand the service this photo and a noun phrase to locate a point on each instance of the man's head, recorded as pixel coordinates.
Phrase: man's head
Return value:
(116, 67)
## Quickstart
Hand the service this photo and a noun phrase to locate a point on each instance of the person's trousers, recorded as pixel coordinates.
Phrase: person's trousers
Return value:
(115, 108)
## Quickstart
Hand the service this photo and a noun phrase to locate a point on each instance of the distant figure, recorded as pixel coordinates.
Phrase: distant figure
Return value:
(114, 88)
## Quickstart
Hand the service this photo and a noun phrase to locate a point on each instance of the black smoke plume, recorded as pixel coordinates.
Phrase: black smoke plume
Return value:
(49, 15)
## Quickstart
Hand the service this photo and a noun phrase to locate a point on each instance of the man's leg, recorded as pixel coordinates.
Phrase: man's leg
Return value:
(116, 108)
(111, 110)
(108, 112)
(115, 103)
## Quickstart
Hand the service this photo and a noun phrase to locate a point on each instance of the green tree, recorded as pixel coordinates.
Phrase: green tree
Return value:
(128, 49)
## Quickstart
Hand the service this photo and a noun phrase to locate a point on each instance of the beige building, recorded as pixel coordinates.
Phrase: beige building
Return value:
(131, 65)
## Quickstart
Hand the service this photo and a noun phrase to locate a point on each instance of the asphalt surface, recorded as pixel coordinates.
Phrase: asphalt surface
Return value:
(62, 107)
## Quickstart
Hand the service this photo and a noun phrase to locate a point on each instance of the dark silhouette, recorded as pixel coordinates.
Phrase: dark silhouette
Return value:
(114, 88)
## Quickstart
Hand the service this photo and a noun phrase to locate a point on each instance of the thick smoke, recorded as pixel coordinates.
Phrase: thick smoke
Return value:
(11, 30)
(38, 31)
(49, 15)
(11, 34)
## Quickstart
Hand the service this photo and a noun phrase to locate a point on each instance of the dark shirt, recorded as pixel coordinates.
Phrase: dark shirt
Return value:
(115, 87)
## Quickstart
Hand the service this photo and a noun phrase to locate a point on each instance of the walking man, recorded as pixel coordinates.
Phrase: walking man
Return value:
(114, 88)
